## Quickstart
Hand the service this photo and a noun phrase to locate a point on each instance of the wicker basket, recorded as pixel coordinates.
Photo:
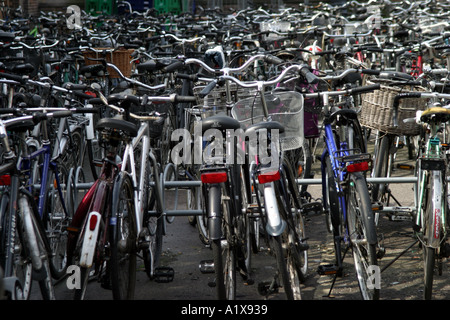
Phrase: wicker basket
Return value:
(120, 57)
(377, 109)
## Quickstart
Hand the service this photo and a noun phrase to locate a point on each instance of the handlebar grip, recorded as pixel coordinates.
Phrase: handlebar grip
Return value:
(85, 110)
(371, 72)
(209, 87)
(272, 59)
(310, 77)
(368, 88)
(442, 47)
(192, 77)
(82, 95)
(61, 114)
(75, 87)
(95, 101)
(395, 75)
(173, 67)
(185, 99)
(13, 77)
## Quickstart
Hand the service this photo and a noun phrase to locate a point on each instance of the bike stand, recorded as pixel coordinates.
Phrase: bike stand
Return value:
(398, 256)
(164, 274)
(331, 269)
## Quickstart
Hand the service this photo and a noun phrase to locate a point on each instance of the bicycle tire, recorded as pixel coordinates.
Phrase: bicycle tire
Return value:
(79, 293)
(429, 258)
(381, 166)
(294, 217)
(123, 235)
(224, 253)
(21, 264)
(34, 238)
(429, 252)
(362, 233)
(276, 244)
(155, 227)
(56, 222)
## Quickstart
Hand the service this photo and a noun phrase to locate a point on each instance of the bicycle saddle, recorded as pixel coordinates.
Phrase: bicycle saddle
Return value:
(439, 114)
(220, 122)
(269, 125)
(118, 124)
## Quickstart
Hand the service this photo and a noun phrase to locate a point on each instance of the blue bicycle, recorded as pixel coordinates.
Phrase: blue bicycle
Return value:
(346, 198)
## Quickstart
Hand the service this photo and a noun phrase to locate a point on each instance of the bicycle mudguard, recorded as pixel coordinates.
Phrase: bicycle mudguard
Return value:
(371, 235)
(275, 225)
(434, 214)
(90, 239)
(214, 212)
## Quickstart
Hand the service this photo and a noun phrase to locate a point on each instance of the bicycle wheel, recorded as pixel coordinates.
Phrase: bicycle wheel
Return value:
(224, 252)
(284, 275)
(430, 239)
(381, 167)
(362, 234)
(123, 235)
(154, 224)
(290, 259)
(34, 239)
(56, 221)
(301, 162)
(22, 267)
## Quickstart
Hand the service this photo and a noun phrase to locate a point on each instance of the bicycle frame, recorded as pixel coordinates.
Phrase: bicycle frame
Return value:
(47, 165)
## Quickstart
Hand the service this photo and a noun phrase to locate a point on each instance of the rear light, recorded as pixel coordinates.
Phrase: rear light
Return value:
(269, 177)
(5, 180)
(214, 177)
(357, 167)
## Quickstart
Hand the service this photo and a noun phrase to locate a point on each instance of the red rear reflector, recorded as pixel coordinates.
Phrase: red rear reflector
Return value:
(269, 177)
(93, 222)
(5, 180)
(356, 167)
(214, 177)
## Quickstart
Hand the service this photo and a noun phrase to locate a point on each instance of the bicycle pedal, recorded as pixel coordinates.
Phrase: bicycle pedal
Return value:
(327, 269)
(164, 274)
(405, 166)
(267, 287)
(206, 266)
(313, 208)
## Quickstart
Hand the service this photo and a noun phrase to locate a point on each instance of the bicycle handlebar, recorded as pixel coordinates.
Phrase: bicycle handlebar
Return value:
(351, 91)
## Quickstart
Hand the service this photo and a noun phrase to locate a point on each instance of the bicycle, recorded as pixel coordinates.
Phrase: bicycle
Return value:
(431, 221)
(346, 199)
(26, 251)
(112, 223)
(276, 199)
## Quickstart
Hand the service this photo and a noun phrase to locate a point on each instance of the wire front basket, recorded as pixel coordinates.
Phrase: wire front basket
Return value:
(283, 107)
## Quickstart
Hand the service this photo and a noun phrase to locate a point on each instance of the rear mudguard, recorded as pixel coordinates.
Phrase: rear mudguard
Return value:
(214, 212)
(90, 239)
(275, 224)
